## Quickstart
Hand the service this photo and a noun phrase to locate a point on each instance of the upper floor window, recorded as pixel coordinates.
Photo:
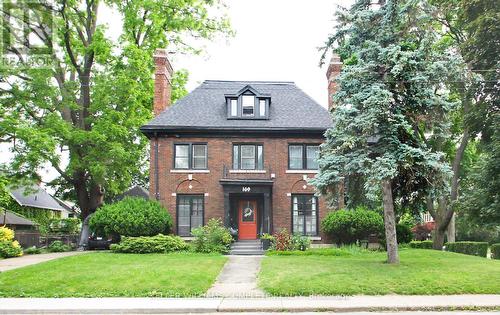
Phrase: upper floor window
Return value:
(248, 157)
(190, 156)
(303, 156)
(248, 103)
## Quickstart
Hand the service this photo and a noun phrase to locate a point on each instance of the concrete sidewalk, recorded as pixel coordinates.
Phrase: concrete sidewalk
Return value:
(26, 260)
(278, 304)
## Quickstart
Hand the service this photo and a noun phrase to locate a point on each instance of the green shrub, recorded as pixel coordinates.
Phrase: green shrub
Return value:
(10, 249)
(131, 217)
(468, 248)
(421, 244)
(300, 242)
(212, 238)
(8, 246)
(495, 251)
(150, 244)
(33, 250)
(349, 226)
(6, 234)
(309, 252)
(58, 247)
(403, 233)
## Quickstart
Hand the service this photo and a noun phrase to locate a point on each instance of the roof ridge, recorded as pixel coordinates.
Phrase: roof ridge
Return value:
(251, 81)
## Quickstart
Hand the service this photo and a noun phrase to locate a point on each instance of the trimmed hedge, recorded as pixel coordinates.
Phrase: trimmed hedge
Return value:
(131, 217)
(403, 233)
(349, 226)
(468, 248)
(150, 244)
(421, 244)
(495, 251)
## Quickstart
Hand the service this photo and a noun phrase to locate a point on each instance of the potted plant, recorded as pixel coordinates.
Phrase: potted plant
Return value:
(266, 240)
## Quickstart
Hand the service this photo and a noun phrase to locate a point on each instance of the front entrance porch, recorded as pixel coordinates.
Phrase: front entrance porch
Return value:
(247, 207)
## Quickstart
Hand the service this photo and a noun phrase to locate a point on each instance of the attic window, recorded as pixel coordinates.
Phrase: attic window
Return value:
(248, 105)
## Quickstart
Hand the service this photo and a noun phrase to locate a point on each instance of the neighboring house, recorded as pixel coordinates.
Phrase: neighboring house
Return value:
(35, 198)
(136, 191)
(71, 209)
(241, 151)
(15, 222)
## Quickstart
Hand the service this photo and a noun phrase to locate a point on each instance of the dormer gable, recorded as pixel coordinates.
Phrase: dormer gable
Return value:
(248, 103)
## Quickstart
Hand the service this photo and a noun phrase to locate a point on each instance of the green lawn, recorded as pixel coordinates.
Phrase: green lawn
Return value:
(109, 274)
(420, 272)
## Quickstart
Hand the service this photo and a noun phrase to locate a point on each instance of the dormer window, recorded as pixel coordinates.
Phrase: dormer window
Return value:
(234, 107)
(248, 104)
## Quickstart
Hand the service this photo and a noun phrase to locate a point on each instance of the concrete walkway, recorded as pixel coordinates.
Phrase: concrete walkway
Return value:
(18, 262)
(238, 278)
(212, 305)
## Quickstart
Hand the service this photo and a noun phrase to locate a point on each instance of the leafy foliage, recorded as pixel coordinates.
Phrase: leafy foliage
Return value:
(282, 241)
(6, 234)
(404, 233)
(213, 237)
(87, 102)
(300, 242)
(495, 251)
(33, 250)
(8, 246)
(64, 226)
(421, 244)
(349, 226)
(131, 217)
(58, 247)
(150, 244)
(468, 248)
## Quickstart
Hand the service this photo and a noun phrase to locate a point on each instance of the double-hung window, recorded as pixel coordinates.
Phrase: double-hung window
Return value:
(248, 157)
(305, 214)
(248, 105)
(303, 156)
(190, 156)
(189, 213)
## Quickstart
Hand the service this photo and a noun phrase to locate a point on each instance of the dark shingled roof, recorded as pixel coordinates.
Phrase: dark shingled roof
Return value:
(205, 109)
(136, 191)
(35, 197)
(13, 219)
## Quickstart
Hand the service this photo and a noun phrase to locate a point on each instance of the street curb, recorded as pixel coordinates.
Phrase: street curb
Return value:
(339, 304)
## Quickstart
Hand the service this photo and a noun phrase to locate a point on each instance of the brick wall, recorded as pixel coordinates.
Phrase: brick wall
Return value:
(220, 155)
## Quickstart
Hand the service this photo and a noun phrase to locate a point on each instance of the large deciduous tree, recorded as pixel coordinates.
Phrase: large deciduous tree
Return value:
(391, 98)
(81, 109)
(470, 29)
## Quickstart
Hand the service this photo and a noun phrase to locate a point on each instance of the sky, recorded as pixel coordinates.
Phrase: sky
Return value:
(275, 40)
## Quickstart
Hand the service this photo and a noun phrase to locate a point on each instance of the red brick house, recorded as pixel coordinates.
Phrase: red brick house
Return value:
(241, 151)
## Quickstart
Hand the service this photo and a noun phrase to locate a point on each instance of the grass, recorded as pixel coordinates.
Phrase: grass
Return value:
(420, 272)
(108, 274)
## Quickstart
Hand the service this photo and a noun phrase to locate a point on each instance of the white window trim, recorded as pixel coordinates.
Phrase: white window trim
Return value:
(189, 171)
(301, 171)
(247, 171)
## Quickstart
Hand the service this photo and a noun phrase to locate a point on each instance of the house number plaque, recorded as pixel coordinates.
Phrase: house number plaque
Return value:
(245, 189)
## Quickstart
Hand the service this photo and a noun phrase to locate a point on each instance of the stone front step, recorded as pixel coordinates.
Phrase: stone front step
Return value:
(246, 252)
(246, 247)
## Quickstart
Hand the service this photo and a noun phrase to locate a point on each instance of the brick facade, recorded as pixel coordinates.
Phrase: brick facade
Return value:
(175, 182)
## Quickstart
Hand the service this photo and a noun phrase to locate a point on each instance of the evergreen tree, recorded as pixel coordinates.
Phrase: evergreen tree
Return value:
(391, 101)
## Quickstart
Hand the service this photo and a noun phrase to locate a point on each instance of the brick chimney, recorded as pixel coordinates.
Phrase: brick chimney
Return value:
(333, 71)
(163, 77)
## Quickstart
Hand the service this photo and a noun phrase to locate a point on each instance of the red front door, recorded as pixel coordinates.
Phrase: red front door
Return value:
(247, 220)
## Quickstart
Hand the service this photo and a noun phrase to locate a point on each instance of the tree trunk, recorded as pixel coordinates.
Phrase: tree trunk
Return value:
(390, 223)
(450, 232)
(341, 192)
(439, 231)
